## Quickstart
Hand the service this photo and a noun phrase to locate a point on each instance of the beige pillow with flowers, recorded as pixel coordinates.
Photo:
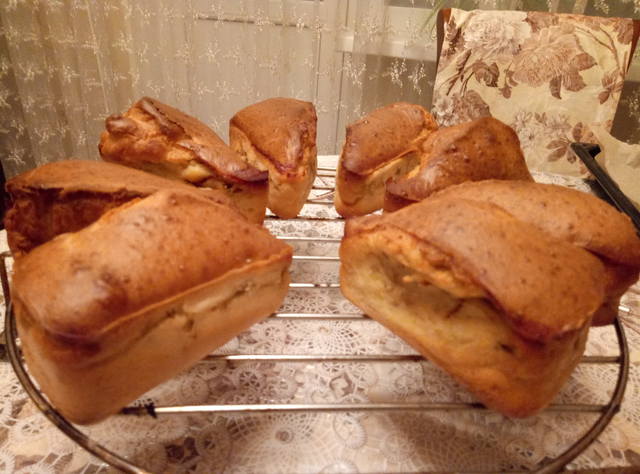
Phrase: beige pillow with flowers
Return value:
(550, 76)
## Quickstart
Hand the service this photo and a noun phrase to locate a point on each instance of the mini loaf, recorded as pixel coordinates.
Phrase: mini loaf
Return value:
(279, 136)
(155, 137)
(473, 151)
(576, 217)
(106, 313)
(66, 196)
(380, 145)
(499, 304)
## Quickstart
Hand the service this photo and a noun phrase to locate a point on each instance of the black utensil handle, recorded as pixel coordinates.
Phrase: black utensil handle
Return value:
(587, 153)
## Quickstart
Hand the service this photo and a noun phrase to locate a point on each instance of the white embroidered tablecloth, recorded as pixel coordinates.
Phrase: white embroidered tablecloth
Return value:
(331, 442)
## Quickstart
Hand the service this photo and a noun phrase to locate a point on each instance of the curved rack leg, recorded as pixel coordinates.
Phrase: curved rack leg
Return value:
(612, 408)
(43, 405)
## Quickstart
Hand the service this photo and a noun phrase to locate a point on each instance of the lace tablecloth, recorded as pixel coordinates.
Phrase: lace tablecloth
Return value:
(331, 442)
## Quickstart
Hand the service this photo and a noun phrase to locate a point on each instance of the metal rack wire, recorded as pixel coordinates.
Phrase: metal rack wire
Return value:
(606, 410)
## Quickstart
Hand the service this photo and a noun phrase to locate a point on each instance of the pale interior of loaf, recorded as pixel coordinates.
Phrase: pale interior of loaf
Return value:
(191, 327)
(149, 155)
(465, 336)
(178, 162)
(251, 199)
(392, 202)
(361, 195)
(288, 191)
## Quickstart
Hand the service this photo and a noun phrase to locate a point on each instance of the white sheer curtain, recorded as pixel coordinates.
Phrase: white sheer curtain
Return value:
(67, 64)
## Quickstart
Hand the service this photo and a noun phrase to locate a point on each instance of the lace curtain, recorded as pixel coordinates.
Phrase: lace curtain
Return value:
(67, 64)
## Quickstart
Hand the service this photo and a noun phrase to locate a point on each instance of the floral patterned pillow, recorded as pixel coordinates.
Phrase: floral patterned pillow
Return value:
(550, 76)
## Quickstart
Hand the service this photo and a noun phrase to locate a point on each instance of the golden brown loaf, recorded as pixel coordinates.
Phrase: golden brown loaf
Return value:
(106, 313)
(380, 145)
(579, 218)
(66, 196)
(498, 303)
(155, 137)
(481, 149)
(278, 135)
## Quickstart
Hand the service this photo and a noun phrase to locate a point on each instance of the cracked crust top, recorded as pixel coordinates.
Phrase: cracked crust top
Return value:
(153, 132)
(383, 135)
(545, 287)
(280, 128)
(568, 214)
(83, 284)
(481, 149)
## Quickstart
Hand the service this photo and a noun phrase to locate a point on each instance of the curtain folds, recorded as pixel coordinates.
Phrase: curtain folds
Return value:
(67, 64)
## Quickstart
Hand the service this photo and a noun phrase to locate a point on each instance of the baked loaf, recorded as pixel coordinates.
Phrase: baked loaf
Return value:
(155, 137)
(66, 196)
(279, 136)
(499, 304)
(381, 145)
(481, 149)
(576, 217)
(107, 312)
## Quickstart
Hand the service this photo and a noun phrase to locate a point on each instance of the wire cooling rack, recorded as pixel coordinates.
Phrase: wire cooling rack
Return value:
(321, 196)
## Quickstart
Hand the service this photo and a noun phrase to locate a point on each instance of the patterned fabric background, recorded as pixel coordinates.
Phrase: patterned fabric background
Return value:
(551, 77)
(65, 65)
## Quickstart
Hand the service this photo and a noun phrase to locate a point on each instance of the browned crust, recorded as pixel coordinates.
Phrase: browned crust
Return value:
(381, 145)
(394, 202)
(280, 129)
(481, 149)
(544, 286)
(99, 280)
(99, 177)
(467, 337)
(607, 313)
(568, 214)
(66, 196)
(129, 139)
(86, 384)
(618, 278)
(357, 195)
(288, 191)
(383, 135)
